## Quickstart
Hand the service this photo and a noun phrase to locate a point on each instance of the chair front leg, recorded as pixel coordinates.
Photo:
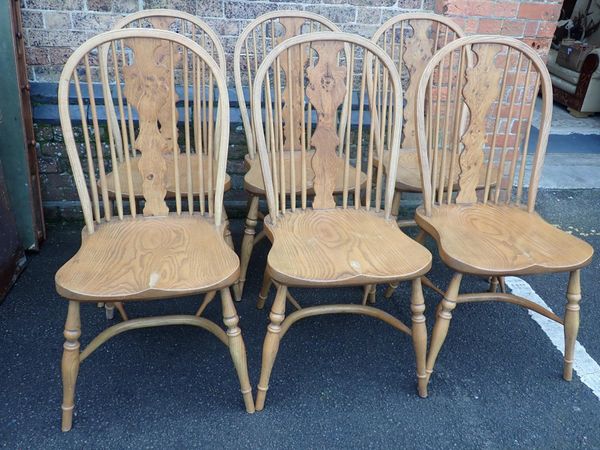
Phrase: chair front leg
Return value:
(70, 363)
(419, 334)
(442, 322)
(264, 290)
(271, 345)
(237, 347)
(247, 245)
(571, 322)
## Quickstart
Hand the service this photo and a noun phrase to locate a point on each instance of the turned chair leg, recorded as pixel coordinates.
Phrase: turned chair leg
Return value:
(271, 345)
(237, 347)
(121, 309)
(109, 309)
(369, 293)
(571, 322)
(70, 363)
(442, 322)
(247, 245)
(264, 290)
(419, 334)
(372, 294)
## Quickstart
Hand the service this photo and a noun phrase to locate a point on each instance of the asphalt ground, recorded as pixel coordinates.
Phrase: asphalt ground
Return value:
(339, 381)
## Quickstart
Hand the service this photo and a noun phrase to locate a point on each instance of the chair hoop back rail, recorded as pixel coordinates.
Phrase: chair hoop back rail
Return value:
(163, 251)
(337, 239)
(491, 231)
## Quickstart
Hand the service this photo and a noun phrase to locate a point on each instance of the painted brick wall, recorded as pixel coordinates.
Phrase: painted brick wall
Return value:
(54, 28)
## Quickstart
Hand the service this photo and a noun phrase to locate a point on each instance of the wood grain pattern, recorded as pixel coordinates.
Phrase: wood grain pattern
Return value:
(342, 247)
(501, 240)
(326, 91)
(480, 91)
(137, 181)
(147, 88)
(149, 258)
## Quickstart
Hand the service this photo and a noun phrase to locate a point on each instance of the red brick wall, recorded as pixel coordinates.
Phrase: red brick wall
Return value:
(532, 21)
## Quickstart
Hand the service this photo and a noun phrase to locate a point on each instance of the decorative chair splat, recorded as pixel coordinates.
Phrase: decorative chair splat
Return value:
(480, 91)
(418, 50)
(326, 92)
(148, 88)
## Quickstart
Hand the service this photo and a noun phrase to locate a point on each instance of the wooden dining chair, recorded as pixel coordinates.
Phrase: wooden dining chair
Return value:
(495, 232)
(172, 246)
(200, 32)
(411, 39)
(331, 239)
(256, 41)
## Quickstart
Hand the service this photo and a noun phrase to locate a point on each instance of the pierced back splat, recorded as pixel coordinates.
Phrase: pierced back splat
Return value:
(147, 87)
(326, 91)
(480, 91)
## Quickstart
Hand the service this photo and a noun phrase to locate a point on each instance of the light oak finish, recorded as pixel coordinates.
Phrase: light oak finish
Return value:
(167, 249)
(334, 238)
(491, 230)
(256, 40)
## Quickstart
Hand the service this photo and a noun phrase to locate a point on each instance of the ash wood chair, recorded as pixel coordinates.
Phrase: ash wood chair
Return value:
(255, 42)
(167, 249)
(335, 239)
(495, 232)
(411, 40)
(200, 32)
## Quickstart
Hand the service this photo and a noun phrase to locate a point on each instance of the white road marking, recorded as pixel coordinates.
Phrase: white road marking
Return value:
(585, 366)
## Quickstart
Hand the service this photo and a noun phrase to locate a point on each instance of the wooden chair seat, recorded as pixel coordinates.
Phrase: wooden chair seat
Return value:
(408, 175)
(342, 247)
(253, 180)
(501, 240)
(148, 258)
(137, 178)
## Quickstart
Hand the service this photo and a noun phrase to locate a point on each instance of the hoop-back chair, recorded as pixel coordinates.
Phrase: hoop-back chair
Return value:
(411, 39)
(495, 231)
(257, 39)
(200, 32)
(331, 239)
(167, 249)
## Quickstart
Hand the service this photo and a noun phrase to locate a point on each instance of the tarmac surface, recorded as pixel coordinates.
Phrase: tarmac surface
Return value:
(339, 381)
